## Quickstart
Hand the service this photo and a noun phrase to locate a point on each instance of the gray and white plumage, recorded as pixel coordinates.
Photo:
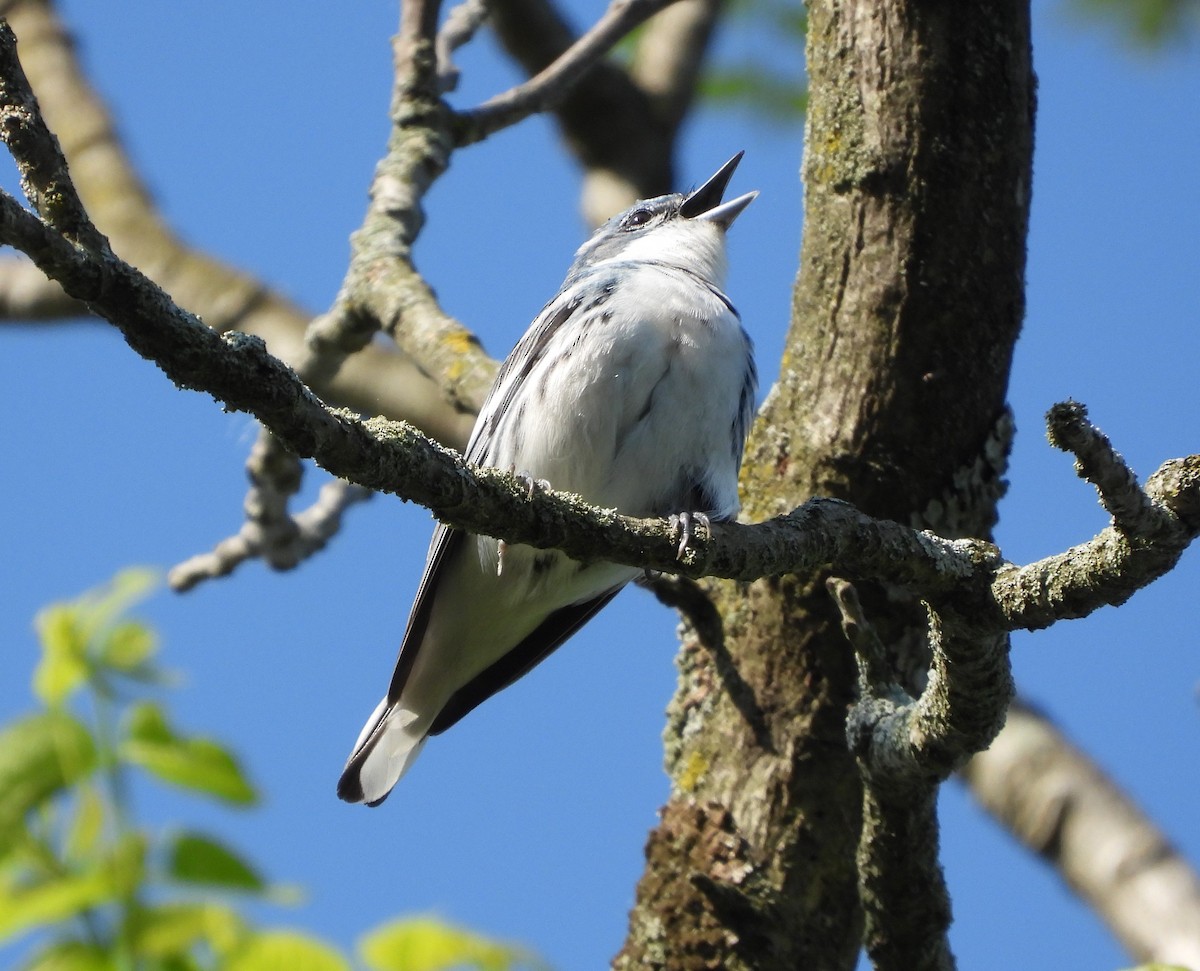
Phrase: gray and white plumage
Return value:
(634, 388)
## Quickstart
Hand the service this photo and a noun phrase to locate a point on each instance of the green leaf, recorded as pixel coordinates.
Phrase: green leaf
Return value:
(199, 764)
(86, 826)
(174, 929)
(128, 647)
(773, 97)
(52, 901)
(71, 956)
(428, 944)
(199, 859)
(125, 863)
(105, 604)
(39, 755)
(63, 664)
(78, 635)
(286, 951)
(1149, 23)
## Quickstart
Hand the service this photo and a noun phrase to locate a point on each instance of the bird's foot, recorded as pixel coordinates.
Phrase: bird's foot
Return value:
(683, 525)
(532, 486)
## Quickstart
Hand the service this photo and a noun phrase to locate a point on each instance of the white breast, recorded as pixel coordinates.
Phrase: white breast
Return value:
(630, 400)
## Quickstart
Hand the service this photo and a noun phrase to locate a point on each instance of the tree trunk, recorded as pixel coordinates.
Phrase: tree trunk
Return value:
(892, 396)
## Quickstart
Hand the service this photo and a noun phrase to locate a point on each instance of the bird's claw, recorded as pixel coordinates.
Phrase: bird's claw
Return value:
(683, 525)
(531, 485)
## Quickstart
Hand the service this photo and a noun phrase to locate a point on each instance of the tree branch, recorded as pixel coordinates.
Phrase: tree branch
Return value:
(270, 531)
(550, 86)
(382, 289)
(621, 124)
(26, 294)
(1099, 463)
(960, 576)
(905, 749)
(374, 381)
(1063, 807)
(460, 27)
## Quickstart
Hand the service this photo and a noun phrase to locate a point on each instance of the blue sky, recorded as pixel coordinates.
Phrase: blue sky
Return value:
(257, 127)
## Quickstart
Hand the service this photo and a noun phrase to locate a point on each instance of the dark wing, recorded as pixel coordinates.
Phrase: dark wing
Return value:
(515, 370)
(446, 541)
(534, 649)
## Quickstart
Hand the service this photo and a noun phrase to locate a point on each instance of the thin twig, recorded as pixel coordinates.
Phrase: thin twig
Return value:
(123, 208)
(40, 161)
(1068, 428)
(549, 86)
(461, 25)
(313, 528)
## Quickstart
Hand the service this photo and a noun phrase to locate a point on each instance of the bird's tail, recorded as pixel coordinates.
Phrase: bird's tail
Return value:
(389, 743)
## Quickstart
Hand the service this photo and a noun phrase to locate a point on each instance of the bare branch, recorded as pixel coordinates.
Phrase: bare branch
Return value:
(461, 25)
(1111, 567)
(1062, 806)
(40, 161)
(1068, 428)
(381, 290)
(550, 86)
(620, 124)
(875, 677)
(374, 381)
(607, 120)
(283, 541)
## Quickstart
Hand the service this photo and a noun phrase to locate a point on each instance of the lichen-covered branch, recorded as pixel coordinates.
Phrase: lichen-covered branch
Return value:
(270, 531)
(122, 208)
(1099, 463)
(380, 277)
(905, 749)
(299, 536)
(956, 576)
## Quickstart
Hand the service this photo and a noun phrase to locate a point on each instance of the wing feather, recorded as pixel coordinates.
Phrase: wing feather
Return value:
(445, 542)
(518, 662)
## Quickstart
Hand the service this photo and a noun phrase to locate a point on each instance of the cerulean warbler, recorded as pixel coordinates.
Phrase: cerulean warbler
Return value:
(634, 387)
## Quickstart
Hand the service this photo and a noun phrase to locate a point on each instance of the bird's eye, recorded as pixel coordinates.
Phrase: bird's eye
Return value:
(639, 217)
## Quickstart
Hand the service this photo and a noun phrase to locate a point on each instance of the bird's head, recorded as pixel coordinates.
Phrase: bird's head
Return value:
(681, 230)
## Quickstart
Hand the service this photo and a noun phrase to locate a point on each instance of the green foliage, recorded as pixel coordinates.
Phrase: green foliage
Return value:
(1147, 23)
(84, 887)
(428, 944)
(775, 92)
(199, 764)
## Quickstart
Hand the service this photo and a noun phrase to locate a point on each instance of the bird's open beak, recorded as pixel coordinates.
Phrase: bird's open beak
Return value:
(705, 202)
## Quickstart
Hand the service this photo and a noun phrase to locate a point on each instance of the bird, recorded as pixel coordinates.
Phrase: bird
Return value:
(634, 388)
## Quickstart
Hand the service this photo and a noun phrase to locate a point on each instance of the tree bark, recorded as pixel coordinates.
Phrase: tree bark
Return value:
(892, 396)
